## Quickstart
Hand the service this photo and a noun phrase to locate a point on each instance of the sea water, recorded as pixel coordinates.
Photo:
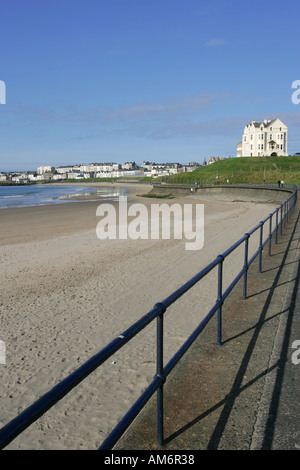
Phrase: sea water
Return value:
(41, 194)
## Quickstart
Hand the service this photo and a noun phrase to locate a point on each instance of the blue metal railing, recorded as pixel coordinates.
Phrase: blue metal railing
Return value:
(15, 427)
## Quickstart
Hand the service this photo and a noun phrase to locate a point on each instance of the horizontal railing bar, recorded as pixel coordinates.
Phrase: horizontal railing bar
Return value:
(287, 188)
(188, 285)
(234, 246)
(125, 422)
(233, 283)
(121, 427)
(44, 403)
(273, 231)
(179, 354)
(265, 242)
(255, 228)
(253, 257)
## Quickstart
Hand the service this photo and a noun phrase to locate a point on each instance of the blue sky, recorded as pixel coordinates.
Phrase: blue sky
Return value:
(133, 80)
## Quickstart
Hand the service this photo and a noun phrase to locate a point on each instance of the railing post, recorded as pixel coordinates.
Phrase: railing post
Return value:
(284, 216)
(260, 246)
(246, 264)
(220, 297)
(276, 232)
(159, 373)
(270, 235)
(281, 208)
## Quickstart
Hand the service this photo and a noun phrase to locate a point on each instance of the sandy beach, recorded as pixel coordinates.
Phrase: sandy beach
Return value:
(65, 295)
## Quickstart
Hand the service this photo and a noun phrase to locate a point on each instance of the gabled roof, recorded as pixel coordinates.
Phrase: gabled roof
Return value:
(269, 123)
(264, 124)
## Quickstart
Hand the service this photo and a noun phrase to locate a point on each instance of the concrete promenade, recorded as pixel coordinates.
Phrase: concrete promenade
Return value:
(243, 395)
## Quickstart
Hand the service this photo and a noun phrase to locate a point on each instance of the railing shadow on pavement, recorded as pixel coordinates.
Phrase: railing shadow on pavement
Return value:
(238, 387)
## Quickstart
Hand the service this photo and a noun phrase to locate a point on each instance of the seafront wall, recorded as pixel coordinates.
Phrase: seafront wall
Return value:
(230, 193)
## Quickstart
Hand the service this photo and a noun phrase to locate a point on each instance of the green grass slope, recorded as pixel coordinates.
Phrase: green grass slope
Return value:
(244, 170)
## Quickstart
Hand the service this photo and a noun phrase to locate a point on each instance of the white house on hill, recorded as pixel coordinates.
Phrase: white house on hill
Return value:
(264, 139)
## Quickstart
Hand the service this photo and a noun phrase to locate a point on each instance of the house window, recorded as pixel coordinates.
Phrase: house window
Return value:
(245, 138)
(251, 137)
(262, 147)
(271, 136)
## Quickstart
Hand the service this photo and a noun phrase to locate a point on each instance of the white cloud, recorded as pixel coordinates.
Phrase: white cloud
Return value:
(172, 107)
(215, 42)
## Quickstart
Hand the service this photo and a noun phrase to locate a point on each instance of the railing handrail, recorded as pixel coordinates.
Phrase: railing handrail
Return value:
(199, 185)
(16, 426)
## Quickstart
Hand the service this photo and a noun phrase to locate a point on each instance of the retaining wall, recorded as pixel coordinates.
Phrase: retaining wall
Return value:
(233, 193)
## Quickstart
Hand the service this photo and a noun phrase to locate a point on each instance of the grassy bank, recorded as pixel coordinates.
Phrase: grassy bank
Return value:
(243, 170)
(158, 196)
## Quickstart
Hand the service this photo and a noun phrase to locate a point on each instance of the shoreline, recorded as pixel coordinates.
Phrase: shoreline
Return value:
(47, 221)
(130, 190)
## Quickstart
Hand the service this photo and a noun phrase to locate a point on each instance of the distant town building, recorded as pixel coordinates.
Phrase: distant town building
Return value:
(64, 169)
(128, 166)
(263, 139)
(213, 160)
(239, 149)
(45, 169)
